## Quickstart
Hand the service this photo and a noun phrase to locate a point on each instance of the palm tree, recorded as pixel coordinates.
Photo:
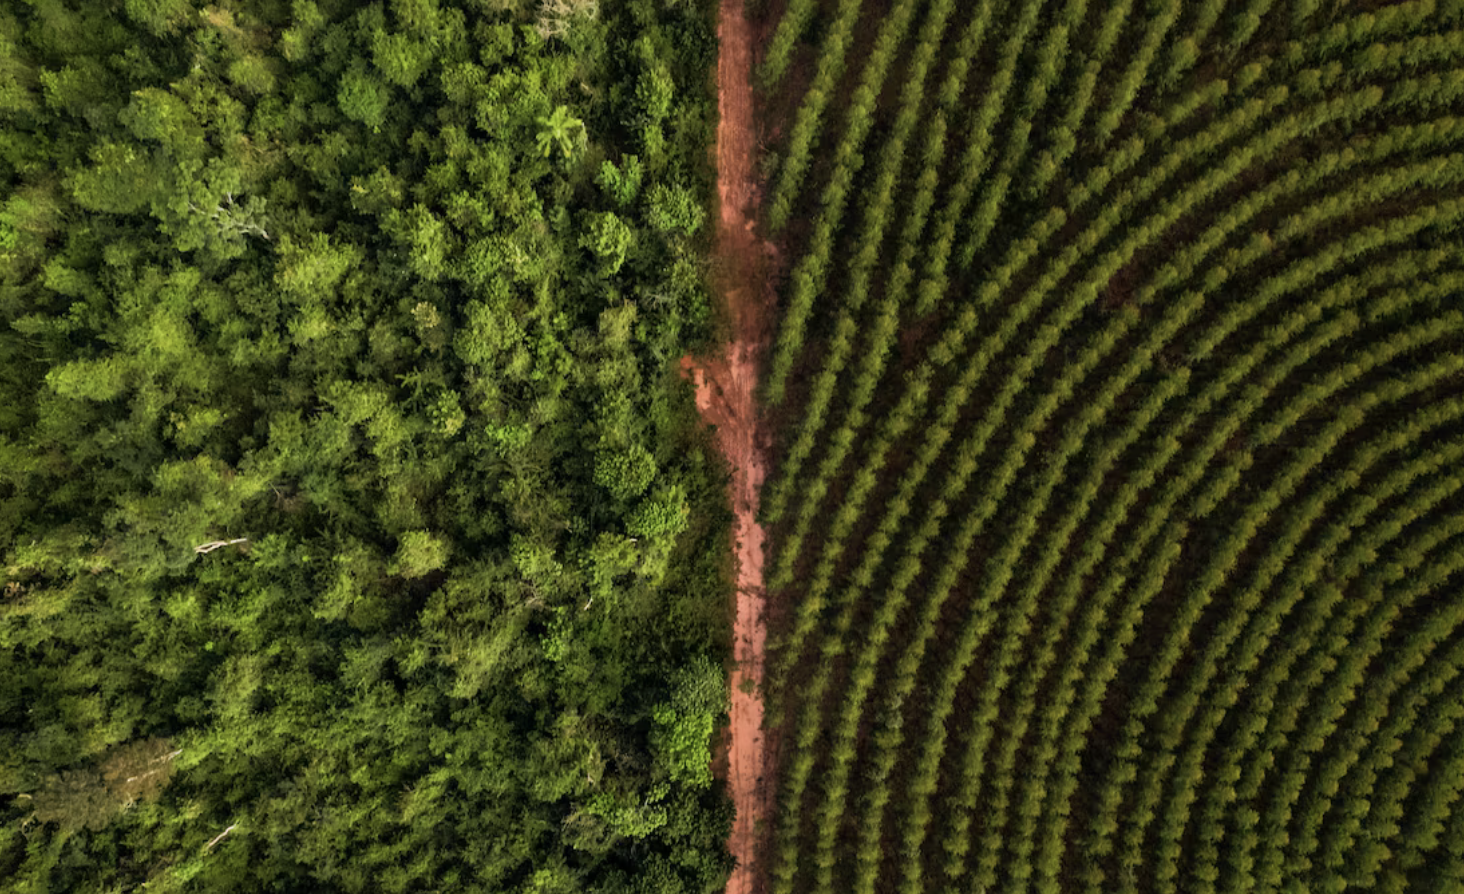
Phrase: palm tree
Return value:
(561, 129)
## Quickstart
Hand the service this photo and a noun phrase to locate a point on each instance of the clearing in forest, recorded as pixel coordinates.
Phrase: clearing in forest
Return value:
(725, 394)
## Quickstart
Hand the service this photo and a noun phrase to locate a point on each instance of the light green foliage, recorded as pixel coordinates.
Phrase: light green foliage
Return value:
(314, 269)
(558, 880)
(446, 413)
(621, 183)
(425, 237)
(162, 117)
(534, 559)
(160, 16)
(611, 557)
(118, 178)
(654, 86)
(27, 220)
(378, 192)
(362, 97)
(625, 473)
(490, 333)
(673, 209)
(561, 131)
(401, 59)
(684, 724)
(253, 74)
(18, 82)
(610, 239)
(306, 23)
(419, 553)
(661, 516)
(630, 820)
(79, 88)
(98, 380)
(618, 329)
(556, 638)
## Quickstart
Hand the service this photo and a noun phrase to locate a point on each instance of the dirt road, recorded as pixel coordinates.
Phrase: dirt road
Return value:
(725, 388)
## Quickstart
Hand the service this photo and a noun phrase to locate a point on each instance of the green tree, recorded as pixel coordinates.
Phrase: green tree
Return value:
(402, 59)
(121, 179)
(419, 553)
(610, 239)
(673, 209)
(563, 131)
(621, 184)
(625, 473)
(314, 268)
(684, 725)
(426, 237)
(362, 97)
(661, 516)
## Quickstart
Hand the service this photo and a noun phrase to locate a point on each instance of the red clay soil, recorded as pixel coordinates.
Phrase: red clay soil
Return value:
(725, 388)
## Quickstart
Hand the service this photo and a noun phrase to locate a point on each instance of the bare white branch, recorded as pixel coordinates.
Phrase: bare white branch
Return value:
(219, 837)
(218, 544)
(144, 775)
(556, 17)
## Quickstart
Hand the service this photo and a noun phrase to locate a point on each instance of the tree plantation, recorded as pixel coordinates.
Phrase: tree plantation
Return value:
(357, 532)
(1118, 520)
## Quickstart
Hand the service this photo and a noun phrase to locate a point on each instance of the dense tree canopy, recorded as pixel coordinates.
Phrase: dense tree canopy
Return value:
(356, 533)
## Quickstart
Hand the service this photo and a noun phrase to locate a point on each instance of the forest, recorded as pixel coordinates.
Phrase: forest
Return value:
(358, 533)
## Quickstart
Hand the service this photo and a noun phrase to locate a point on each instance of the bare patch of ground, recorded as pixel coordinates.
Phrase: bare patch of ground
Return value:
(726, 386)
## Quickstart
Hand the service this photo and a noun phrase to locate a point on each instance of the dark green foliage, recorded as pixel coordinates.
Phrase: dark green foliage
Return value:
(343, 472)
